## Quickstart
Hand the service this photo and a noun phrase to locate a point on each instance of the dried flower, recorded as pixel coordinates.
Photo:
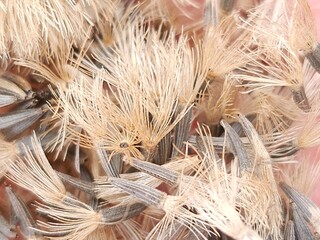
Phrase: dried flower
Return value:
(160, 120)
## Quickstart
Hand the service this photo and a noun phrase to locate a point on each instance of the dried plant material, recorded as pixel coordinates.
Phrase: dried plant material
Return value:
(222, 58)
(227, 5)
(5, 229)
(57, 23)
(10, 88)
(58, 70)
(281, 68)
(301, 228)
(184, 16)
(314, 58)
(236, 147)
(146, 194)
(8, 152)
(19, 81)
(22, 214)
(28, 117)
(85, 186)
(308, 133)
(164, 150)
(6, 100)
(33, 172)
(301, 99)
(264, 170)
(302, 34)
(181, 131)
(71, 219)
(218, 101)
(107, 163)
(272, 112)
(154, 170)
(127, 84)
(144, 107)
(290, 231)
(121, 213)
(25, 122)
(309, 210)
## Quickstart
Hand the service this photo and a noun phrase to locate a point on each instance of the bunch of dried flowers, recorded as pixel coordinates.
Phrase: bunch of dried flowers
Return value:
(180, 119)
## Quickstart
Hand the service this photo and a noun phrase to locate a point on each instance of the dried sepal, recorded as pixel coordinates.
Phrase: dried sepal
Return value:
(22, 214)
(289, 232)
(82, 185)
(107, 163)
(300, 98)
(314, 58)
(160, 172)
(181, 131)
(120, 213)
(27, 117)
(143, 193)
(5, 229)
(301, 227)
(236, 147)
(308, 209)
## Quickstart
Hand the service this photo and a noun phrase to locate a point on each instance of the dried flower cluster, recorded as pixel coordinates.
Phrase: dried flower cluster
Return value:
(180, 119)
